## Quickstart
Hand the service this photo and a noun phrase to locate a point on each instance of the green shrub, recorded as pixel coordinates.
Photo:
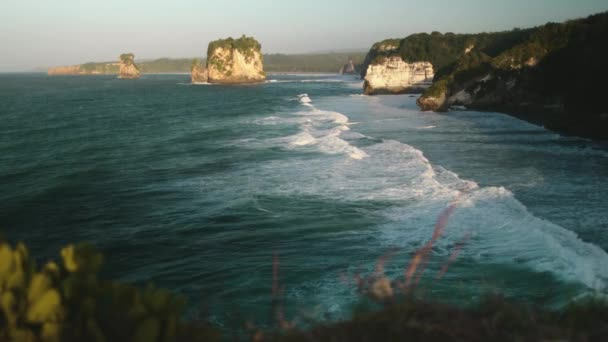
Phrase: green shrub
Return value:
(247, 46)
(438, 88)
(67, 301)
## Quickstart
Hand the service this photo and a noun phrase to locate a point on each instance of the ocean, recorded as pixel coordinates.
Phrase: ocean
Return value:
(196, 187)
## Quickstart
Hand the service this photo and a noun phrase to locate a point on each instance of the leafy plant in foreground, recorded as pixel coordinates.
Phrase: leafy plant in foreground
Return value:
(68, 302)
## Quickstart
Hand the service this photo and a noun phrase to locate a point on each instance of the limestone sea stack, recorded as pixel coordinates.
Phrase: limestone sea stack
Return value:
(231, 61)
(385, 71)
(128, 68)
(198, 72)
(348, 68)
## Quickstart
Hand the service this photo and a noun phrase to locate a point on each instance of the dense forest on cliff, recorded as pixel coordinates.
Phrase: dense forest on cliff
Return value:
(323, 62)
(246, 46)
(562, 62)
(450, 52)
(551, 74)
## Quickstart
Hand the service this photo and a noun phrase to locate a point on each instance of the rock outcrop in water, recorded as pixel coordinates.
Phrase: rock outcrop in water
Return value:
(198, 72)
(552, 75)
(386, 72)
(348, 68)
(128, 68)
(394, 76)
(232, 61)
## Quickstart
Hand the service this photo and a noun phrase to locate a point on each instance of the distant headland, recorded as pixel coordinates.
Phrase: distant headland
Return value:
(552, 75)
(322, 62)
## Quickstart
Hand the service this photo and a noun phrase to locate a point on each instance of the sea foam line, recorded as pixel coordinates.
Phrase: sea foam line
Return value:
(540, 245)
(328, 142)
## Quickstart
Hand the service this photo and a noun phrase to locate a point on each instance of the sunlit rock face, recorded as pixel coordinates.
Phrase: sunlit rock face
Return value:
(199, 74)
(348, 68)
(392, 75)
(128, 68)
(231, 61)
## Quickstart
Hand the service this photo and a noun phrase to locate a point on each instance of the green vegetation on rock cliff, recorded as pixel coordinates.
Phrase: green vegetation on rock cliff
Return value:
(552, 74)
(165, 65)
(442, 49)
(322, 62)
(127, 58)
(246, 46)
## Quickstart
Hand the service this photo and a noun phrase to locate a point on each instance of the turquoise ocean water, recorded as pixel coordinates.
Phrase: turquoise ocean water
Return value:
(195, 187)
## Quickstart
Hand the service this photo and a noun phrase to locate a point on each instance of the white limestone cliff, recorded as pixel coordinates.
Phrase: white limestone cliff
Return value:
(392, 75)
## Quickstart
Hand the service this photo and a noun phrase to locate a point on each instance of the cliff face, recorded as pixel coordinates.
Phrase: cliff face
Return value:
(386, 72)
(128, 68)
(199, 73)
(552, 75)
(394, 76)
(231, 61)
(348, 68)
(386, 48)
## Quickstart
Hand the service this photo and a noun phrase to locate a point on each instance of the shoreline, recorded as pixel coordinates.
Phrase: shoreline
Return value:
(589, 128)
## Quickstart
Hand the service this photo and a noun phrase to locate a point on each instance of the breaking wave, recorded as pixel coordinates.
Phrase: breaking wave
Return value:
(503, 230)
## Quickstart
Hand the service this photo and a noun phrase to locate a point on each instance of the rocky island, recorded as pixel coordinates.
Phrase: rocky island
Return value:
(349, 68)
(198, 72)
(128, 68)
(385, 71)
(231, 61)
(552, 75)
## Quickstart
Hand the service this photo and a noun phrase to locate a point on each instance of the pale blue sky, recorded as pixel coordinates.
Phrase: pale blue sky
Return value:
(40, 33)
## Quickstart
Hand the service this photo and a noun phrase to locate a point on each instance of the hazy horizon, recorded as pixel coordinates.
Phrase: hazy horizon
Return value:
(36, 34)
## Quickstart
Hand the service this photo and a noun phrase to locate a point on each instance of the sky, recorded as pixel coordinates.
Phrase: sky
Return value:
(43, 33)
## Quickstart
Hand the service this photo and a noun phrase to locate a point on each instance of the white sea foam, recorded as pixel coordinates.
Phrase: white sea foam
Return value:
(355, 85)
(315, 131)
(332, 144)
(302, 139)
(503, 231)
(304, 98)
(413, 193)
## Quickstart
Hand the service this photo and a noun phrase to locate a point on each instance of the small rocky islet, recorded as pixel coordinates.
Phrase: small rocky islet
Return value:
(231, 61)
